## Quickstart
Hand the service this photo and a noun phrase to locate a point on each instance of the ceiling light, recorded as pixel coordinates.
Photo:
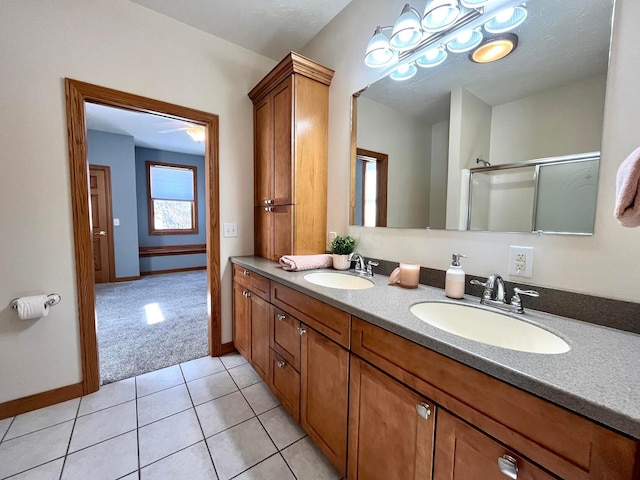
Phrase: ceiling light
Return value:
(196, 133)
(507, 19)
(494, 48)
(406, 31)
(465, 41)
(379, 51)
(404, 72)
(432, 58)
(440, 14)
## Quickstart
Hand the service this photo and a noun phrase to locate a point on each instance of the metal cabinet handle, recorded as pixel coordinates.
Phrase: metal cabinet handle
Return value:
(281, 316)
(101, 233)
(508, 466)
(246, 294)
(302, 330)
(269, 202)
(423, 409)
(268, 209)
(281, 364)
(246, 272)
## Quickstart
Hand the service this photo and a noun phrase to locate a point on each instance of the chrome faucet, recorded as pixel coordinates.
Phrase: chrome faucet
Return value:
(494, 294)
(361, 269)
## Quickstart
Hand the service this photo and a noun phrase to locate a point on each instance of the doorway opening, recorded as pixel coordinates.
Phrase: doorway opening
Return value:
(371, 188)
(77, 95)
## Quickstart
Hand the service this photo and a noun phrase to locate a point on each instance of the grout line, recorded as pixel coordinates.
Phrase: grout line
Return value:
(253, 466)
(8, 428)
(66, 454)
(206, 444)
(13, 475)
(135, 390)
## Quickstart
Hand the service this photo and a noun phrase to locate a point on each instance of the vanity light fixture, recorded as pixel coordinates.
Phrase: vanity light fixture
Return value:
(446, 25)
(494, 48)
(196, 133)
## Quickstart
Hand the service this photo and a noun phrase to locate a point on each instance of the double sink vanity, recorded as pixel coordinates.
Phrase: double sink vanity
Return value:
(398, 383)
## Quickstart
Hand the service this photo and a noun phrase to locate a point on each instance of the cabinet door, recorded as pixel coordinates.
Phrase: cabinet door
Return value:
(282, 218)
(384, 415)
(263, 234)
(260, 313)
(242, 320)
(283, 143)
(324, 392)
(464, 453)
(263, 152)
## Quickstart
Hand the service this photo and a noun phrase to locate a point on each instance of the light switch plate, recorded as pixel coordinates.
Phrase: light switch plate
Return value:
(230, 230)
(521, 261)
(116, 222)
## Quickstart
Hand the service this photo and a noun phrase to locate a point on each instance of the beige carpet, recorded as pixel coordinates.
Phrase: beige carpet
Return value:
(151, 323)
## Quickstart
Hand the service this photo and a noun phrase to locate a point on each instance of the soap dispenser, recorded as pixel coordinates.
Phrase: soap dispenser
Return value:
(454, 280)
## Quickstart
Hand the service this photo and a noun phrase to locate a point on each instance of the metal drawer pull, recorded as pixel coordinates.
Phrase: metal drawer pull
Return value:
(423, 409)
(302, 331)
(281, 364)
(268, 202)
(246, 272)
(268, 209)
(281, 316)
(246, 294)
(508, 466)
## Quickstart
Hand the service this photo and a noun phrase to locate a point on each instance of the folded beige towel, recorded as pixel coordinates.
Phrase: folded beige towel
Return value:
(627, 209)
(296, 263)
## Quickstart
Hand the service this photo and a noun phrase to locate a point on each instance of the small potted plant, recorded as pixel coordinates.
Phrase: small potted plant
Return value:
(341, 248)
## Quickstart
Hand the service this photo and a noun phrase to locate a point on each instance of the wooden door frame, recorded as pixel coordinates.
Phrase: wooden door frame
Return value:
(77, 93)
(382, 168)
(110, 249)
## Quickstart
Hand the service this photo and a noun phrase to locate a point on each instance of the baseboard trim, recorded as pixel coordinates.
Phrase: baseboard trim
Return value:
(228, 348)
(40, 400)
(174, 270)
(127, 279)
(172, 250)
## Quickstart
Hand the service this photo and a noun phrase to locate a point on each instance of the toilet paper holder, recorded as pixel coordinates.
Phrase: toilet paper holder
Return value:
(52, 299)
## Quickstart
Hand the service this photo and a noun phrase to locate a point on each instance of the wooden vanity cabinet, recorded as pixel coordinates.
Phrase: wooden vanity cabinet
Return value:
(391, 428)
(291, 118)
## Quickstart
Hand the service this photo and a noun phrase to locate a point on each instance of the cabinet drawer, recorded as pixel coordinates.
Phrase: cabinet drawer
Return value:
(285, 384)
(326, 319)
(563, 442)
(253, 281)
(462, 452)
(285, 337)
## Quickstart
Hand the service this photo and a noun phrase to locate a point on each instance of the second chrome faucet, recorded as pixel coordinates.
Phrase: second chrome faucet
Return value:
(494, 294)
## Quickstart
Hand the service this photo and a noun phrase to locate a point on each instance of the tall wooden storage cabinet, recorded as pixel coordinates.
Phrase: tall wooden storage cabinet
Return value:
(290, 121)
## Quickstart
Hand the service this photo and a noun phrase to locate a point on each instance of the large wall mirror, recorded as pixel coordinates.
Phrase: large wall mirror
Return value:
(468, 146)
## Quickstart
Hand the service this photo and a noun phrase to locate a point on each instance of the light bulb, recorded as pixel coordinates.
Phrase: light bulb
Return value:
(464, 37)
(505, 15)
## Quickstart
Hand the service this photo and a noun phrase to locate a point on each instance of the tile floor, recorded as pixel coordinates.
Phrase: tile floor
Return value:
(210, 418)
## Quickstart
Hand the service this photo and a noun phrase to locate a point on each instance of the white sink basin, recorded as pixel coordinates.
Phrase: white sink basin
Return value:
(338, 280)
(489, 327)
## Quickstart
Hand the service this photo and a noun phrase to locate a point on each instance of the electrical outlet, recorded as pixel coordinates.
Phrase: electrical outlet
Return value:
(520, 261)
(230, 230)
(332, 235)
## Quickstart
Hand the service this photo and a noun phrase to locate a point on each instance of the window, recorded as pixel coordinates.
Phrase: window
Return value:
(172, 199)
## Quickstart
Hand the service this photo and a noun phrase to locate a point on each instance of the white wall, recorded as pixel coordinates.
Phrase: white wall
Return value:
(562, 121)
(385, 130)
(604, 264)
(124, 46)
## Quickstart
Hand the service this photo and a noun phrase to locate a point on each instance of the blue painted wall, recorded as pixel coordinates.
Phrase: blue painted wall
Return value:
(117, 152)
(148, 264)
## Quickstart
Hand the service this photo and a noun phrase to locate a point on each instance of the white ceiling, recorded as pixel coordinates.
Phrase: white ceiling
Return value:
(272, 28)
(145, 128)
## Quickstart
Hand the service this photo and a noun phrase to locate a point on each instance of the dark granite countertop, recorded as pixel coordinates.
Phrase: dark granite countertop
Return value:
(598, 378)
